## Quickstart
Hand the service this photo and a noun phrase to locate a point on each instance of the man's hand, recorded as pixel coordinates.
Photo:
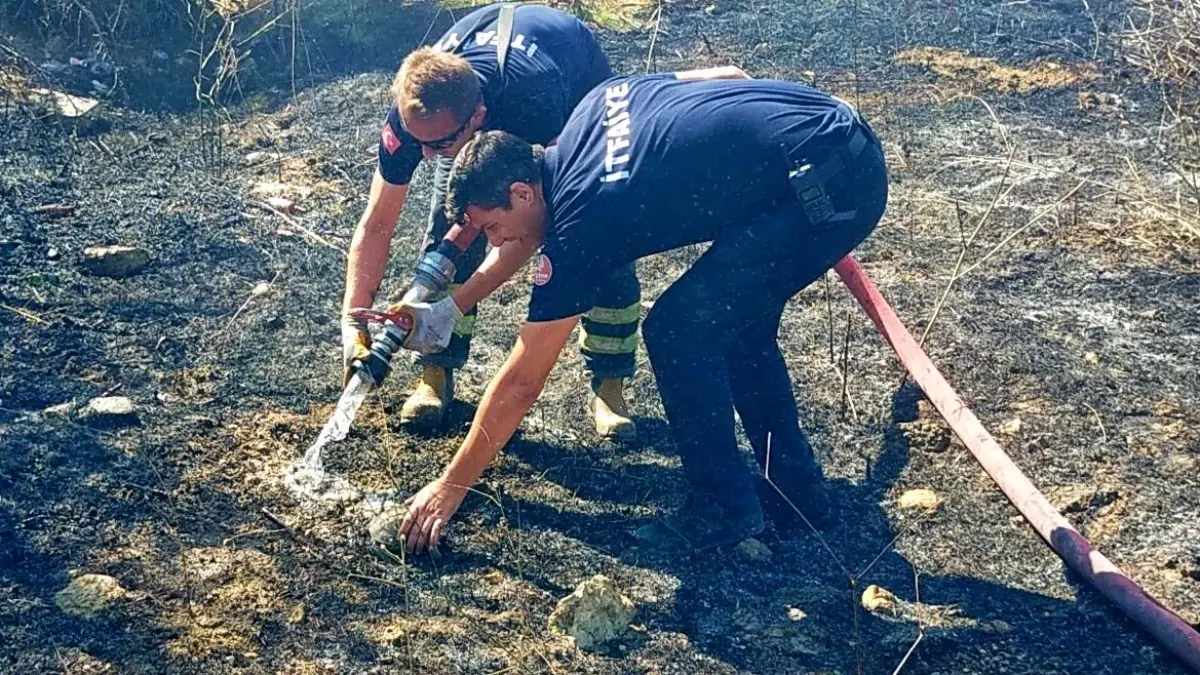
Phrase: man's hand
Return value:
(432, 324)
(717, 73)
(356, 343)
(428, 513)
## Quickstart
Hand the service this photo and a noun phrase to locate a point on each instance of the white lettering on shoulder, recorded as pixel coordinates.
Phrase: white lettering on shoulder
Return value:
(519, 41)
(448, 43)
(618, 123)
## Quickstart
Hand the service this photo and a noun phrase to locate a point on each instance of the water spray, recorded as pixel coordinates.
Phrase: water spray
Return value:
(306, 478)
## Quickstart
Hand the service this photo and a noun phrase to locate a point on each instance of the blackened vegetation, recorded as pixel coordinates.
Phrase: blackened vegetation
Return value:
(1074, 342)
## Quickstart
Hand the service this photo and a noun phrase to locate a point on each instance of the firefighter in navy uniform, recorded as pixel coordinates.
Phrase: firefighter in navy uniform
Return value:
(442, 94)
(782, 179)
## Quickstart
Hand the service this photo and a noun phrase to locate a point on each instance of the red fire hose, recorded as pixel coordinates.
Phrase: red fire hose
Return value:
(1166, 626)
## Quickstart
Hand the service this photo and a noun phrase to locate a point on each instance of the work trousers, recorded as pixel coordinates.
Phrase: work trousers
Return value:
(712, 335)
(608, 335)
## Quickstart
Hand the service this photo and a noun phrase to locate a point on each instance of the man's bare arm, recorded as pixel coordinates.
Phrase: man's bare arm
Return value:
(371, 244)
(718, 73)
(509, 397)
(501, 263)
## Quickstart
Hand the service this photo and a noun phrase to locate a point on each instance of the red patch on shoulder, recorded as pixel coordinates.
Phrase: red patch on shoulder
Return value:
(390, 141)
(543, 271)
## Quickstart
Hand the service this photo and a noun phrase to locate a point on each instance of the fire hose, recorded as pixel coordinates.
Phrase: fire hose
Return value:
(435, 270)
(1160, 622)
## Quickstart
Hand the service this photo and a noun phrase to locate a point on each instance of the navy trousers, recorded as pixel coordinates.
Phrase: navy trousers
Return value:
(712, 335)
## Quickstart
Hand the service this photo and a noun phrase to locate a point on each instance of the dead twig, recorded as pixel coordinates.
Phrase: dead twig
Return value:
(1041, 214)
(53, 209)
(298, 226)
(962, 254)
(1103, 433)
(28, 316)
(1192, 227)
(294, 534)
(920, 623)
(654, 35)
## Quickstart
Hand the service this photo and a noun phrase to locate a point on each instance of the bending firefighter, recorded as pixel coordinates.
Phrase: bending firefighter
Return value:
(442, 95)
(782, 179)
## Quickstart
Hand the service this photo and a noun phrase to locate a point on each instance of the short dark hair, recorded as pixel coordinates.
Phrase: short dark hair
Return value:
(485, 169)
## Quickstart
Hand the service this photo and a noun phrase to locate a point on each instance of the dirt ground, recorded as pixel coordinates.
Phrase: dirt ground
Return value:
(1072, 328)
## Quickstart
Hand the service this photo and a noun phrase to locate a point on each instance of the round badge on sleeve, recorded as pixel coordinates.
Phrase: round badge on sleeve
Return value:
(543, 271)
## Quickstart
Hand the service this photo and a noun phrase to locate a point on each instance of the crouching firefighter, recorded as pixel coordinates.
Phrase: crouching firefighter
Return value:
(782, 179)
(517, 68)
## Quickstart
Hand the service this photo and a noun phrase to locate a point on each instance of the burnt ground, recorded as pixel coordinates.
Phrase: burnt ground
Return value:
(1073, 333)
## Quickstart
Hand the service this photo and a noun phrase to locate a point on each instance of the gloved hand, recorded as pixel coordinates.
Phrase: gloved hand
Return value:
(356, 343)
(432, 324)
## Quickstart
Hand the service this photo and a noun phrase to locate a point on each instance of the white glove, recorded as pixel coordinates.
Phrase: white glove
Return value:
(432, 325)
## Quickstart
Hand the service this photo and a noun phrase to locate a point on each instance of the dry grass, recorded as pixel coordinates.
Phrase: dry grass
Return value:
(975, 73)
(1164, 38)
(614, 15)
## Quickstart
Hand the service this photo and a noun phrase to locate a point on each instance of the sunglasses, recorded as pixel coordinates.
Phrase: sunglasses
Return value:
(445, 141)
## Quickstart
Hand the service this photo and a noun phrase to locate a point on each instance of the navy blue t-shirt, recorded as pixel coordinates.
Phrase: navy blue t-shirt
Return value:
(553, 61)
(650, 163)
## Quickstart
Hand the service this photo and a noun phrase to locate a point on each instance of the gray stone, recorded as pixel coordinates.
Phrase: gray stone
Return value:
(110, 411)
(385, 528)
(115, 261)
(753, 549)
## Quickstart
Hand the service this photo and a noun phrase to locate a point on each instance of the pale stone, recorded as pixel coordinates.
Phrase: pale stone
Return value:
(595, 613)
(90, 594)
(115, 261)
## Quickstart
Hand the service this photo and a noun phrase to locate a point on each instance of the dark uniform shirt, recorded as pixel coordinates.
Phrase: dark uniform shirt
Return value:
(553, 60)
(651, 163)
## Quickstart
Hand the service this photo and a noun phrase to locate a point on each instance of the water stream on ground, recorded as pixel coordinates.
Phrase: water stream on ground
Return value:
(306, 478)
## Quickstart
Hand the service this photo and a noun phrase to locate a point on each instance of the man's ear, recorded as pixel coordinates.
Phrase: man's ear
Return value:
(521, 192)
(478, 116)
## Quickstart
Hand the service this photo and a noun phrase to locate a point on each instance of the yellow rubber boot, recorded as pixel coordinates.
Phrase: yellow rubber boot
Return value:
(610, 412)
(427, 406)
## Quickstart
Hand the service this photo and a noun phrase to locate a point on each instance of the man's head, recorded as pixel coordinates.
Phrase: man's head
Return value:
(496, 183)
(440, 100)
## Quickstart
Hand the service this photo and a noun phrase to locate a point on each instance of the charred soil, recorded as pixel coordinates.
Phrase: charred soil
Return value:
(1071, 327)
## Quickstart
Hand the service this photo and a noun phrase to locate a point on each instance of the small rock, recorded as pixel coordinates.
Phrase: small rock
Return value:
(52, 254)
(274, 323)
(1092, 358)
(90, 594)
(296, 615)
(920, 498)
(260, 288)
(110, 411)
(796, 614)
(385, 530)
(753, 549)
(1080, 498)
(876, 598)
(995, 627)
(64, 409)
(115, 261)
(926, 434)
(1011, 427)
(255, 157)
(284, 205)
(595, 613)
